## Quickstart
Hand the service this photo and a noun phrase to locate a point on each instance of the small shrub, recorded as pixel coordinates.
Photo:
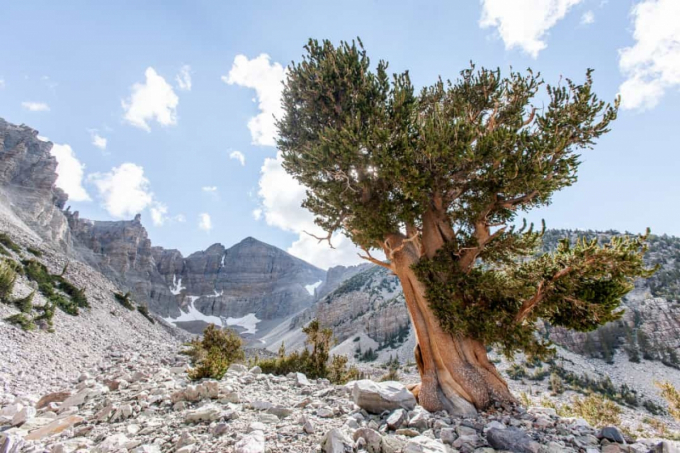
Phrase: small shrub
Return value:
(124, 300)
(21, 320)
(7, 242)
(25, 304)
(7, 278)
(313, 363)
(517, 372)
(556, 385)
(48, 284)
(596, 410)
(46, 314)
(672, 397)
(653, 408)
(144, 310)
(34, 252)
(212, 355)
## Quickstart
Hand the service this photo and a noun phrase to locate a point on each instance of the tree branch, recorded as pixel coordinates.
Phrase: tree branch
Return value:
(369, 257)
(321, 239)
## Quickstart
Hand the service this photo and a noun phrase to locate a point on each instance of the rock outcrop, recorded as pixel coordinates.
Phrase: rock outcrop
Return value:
(27, 182)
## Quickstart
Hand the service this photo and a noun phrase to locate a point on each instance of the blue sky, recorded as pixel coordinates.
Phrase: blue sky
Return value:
(173, 87)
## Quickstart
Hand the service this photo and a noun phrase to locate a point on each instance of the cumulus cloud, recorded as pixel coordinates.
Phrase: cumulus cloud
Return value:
(238, 155)
(99, 141)
(588, 18)
(204, 221)
(524, 24)
(35, 106)
(153, 100)
(652, 65)
(210, 189)
(70, 172)
(266, 79)
(281, 198)
(183, 79)
(124, 191)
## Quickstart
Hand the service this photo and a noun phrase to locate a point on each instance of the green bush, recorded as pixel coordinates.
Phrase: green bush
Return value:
(48, 284)
(212, 355)
(34, 251)
(46, 314)
(25, 304)
(314, 361)
(124, 300)
(596, 410)
(7, 278)
(144, 310)
(21, 320)
(6, 241)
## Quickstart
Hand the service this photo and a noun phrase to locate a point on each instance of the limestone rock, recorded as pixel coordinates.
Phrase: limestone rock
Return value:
(377, 397)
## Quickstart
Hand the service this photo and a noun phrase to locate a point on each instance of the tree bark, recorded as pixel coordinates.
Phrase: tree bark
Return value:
(456, 374)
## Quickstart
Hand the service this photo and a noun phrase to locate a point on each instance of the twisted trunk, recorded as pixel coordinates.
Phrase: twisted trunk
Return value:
(456, 374)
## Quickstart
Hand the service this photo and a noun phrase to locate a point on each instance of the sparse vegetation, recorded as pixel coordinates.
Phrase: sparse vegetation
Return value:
(672, 397)
(35, 252)
(25, 304)
(212, 355)
(56, 288)
(124, 300)
(596, 410)
(7, 278)
(8, 243)
(314, 363)
(21, 320)
(144, 310)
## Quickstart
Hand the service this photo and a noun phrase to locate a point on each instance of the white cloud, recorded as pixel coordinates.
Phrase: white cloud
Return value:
(210, 189)
(588, 18)
(183, 79)
(152, 100)
(266, 79)
(652, 65)
(124, 191)
(204, 222)
(524, 23)
(35, 106)
(70, 172)
(159, 213)
(99, 141)
(281, 198)
(238, 155)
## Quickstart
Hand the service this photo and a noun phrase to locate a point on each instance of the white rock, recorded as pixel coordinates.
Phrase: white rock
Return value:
(23, 415)
(423, 444)
(376, 397)
(206, 413)
(251, 443)
(301, 380)
(336, 441)
(112, 444)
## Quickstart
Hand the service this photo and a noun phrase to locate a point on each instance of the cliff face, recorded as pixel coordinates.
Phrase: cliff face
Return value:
(250, 278)
(27, 178)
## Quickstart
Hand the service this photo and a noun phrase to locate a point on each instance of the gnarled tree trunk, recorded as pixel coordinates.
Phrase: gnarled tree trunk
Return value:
(456, 374)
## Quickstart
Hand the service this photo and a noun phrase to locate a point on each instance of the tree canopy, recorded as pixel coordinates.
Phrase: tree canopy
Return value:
(448, 168)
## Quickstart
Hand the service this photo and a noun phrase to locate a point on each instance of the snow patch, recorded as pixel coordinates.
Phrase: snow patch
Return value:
(177, 285)
(248, 322)
(212, 296)
(194, 315)
(310, 288)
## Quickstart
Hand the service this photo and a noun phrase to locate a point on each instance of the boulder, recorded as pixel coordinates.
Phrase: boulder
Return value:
(376, 397)
(423, 444)
(252, 442)
(54, 427)
(372, 438)
(207, 413)
(511, 439)
(55, 397)
(396, 419)
(335, 441)
(612, 433)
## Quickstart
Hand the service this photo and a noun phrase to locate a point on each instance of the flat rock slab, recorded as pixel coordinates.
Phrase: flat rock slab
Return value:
(55, 427)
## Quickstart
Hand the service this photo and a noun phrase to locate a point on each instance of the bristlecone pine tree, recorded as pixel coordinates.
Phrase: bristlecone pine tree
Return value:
(435, 180)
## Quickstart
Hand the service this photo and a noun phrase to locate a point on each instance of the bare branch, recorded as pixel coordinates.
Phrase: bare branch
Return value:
(369, 257)
(321, 239)
(531, 117)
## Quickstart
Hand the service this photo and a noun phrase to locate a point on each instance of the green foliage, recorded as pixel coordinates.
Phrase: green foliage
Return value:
(25, 304)
(313, 361)
(21, 320)
(7, 278)
(393, 367)
(368, 356)
(452, 162)
(144, 310)
(35, 252)
(212, 355)
(124, 300)
(8, 243)
(56, 288)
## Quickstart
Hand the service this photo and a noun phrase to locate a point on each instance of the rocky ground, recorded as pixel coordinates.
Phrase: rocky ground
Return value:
(144, 403)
